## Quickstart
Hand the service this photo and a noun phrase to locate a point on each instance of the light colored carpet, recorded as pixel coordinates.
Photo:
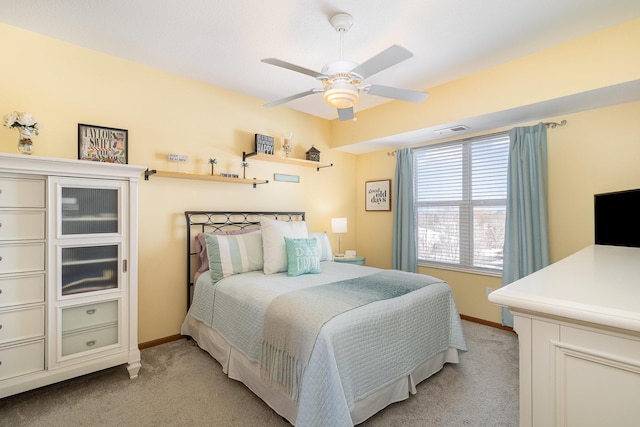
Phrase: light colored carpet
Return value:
(181, 385)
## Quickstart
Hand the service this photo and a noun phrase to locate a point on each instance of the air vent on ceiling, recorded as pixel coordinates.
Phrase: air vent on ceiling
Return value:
(452, 129)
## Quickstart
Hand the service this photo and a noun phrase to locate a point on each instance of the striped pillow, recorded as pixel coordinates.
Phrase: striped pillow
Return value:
(230, 255)
(201, 246)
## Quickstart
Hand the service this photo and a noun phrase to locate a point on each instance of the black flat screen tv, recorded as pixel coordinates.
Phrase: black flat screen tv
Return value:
(617, 218)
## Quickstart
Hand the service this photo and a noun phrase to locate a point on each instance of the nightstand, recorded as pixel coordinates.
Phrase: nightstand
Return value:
(357, 260)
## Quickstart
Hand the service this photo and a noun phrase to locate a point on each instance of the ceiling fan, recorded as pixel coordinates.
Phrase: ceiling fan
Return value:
(342, 81)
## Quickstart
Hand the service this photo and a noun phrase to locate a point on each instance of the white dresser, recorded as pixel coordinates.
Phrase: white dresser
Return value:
(68, 269)
(578, 324)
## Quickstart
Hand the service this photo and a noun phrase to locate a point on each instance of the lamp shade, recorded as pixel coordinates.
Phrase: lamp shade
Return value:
(341, 95)
(338, 225)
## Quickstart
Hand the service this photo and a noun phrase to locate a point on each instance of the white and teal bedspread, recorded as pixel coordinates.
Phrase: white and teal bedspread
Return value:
(356, 352)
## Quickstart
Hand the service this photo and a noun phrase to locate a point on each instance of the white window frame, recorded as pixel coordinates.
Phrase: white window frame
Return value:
(466, 204)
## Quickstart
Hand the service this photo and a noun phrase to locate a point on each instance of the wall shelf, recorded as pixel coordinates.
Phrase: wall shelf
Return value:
(217, 178)
(287, 160)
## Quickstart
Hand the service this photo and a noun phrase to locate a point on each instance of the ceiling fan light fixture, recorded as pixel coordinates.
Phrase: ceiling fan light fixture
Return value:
(341, 95)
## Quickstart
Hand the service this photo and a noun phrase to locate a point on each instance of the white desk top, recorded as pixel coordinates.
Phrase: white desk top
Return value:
(599, 284)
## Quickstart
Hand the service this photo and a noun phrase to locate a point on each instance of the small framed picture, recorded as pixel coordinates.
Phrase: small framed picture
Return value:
(101, 144)
(378, 195)
(286, 178)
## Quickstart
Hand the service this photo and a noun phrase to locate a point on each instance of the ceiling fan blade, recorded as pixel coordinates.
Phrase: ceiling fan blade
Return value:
(397, 93)
(293, 67)
(345, 113)
(385, 59)
(290, 98)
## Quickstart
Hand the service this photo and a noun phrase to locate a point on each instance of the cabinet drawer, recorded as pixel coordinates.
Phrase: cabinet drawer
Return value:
(21, 258)
(21, 225)
(21, 290)
(21, 359)
(21, 193)
(21, 324)
(77, 342)
(89, 315)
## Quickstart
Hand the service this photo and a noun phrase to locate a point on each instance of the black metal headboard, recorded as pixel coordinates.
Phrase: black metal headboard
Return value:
(210, 222)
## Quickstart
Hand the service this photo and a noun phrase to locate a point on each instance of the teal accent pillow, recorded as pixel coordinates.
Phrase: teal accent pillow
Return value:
(235, 254)
(302, 256)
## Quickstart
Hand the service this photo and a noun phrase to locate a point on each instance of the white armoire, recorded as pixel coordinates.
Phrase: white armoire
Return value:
(68, 269)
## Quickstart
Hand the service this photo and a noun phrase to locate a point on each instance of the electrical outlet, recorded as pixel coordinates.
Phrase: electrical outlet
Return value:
(488, 291)
(178, 158)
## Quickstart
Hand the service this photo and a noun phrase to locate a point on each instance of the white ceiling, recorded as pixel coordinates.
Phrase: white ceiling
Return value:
(222, 42)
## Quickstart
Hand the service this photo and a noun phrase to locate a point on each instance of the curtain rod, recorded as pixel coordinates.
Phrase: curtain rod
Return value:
(547, 124)
(554, 124)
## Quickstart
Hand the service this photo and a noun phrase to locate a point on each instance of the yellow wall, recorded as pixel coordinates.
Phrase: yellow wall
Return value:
(63, 85)
(597, 151)
(598, 60)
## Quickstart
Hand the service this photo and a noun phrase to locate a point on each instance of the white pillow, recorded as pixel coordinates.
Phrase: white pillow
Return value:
(274, 249)
(324, 246)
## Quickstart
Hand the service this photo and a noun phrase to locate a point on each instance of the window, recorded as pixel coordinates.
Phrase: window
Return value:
(461, 191)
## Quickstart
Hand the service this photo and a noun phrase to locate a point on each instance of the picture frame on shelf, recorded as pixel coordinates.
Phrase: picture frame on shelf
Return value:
(378, 195)
(103, 144)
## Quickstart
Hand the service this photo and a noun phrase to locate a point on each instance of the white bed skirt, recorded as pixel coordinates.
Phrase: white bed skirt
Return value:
(238, 367)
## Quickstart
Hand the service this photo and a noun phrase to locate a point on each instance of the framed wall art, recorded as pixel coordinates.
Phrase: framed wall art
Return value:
(378, 195)
(286, 178)
(102, 144)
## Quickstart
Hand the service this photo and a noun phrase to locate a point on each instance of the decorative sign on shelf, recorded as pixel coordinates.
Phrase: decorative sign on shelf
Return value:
(264, 144)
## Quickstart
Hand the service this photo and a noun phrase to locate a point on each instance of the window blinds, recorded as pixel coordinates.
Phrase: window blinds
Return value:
(461, 189)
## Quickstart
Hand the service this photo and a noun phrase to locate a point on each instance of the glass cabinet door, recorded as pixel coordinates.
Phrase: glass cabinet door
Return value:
(89, 268)
(88, 282)
(89, 211)
(89, 236)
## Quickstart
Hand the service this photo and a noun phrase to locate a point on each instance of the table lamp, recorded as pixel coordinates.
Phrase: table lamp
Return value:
(339, 226)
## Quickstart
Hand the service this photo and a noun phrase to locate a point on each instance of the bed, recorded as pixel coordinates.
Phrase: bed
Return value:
(322, 343)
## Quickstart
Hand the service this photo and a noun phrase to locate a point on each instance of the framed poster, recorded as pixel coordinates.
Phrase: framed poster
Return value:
(101, 144)
(377, 195)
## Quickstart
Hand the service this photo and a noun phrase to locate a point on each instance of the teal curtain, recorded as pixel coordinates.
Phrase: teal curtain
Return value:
(404, 247)
(526, 240)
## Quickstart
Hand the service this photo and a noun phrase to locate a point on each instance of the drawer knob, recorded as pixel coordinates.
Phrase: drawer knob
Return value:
(91, 311)
(91, 343)
(0, 326)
